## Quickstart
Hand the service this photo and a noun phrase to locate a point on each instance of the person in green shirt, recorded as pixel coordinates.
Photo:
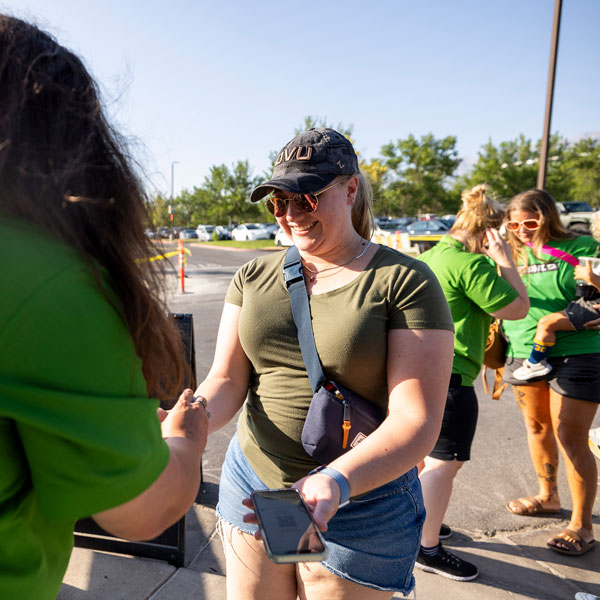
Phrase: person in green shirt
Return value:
(559, 407)
(579, 314)
(87, 349)
(478, 275)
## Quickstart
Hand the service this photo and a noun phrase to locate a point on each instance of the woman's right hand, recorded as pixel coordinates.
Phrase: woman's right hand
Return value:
(187, 419)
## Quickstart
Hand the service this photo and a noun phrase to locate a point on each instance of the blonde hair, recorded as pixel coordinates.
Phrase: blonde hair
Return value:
(478, 213)
(363, 219)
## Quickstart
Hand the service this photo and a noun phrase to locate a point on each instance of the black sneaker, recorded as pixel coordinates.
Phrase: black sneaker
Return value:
(445, 532)
(446, 564)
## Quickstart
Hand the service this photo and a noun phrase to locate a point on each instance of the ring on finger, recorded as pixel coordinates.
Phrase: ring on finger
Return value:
(203, 402)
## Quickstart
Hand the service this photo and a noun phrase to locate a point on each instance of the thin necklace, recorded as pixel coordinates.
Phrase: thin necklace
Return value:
(312, 277)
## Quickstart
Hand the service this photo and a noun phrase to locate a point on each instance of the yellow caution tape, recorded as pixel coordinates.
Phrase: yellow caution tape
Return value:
(167, 255)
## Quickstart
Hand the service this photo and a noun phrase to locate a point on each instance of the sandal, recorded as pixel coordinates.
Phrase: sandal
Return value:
(571, 546)
(529, 506)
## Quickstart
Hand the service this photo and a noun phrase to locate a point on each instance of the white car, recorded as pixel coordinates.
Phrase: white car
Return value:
(246, 232)
(205, 232)
(282, 238)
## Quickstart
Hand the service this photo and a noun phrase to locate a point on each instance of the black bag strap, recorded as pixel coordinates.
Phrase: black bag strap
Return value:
(296, 287)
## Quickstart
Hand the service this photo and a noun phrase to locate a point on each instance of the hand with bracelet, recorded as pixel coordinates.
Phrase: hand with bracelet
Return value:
(325, 490)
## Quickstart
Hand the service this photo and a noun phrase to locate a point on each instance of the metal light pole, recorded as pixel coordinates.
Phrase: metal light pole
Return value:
(541, 179)
(173, 163)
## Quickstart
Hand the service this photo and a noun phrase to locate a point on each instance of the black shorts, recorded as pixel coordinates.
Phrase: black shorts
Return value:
(581, 311)
(458, 424)
(576, 377)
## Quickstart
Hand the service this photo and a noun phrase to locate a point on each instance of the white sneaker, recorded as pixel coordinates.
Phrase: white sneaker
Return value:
(530, 370)
(585, 596)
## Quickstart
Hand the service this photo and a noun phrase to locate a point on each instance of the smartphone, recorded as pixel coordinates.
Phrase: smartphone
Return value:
(288, 530)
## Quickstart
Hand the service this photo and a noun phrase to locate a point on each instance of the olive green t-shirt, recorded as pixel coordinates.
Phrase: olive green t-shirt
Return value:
(78, 434)
(473, 289)
(350, 326)
(551, 286)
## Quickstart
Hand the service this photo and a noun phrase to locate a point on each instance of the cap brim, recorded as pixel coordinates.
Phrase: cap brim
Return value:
(296, 183)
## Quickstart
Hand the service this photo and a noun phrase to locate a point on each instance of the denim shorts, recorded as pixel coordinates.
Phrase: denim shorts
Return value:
(572, 376)
(373, 541)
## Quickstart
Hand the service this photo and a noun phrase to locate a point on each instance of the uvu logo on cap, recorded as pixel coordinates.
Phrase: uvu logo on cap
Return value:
(327, 151)
(297, 152)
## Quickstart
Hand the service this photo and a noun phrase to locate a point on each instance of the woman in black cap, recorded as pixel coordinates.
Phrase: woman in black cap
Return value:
(382, 328)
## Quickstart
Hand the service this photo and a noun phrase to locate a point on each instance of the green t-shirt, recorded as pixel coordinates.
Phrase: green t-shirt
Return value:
(551, 286)
(473, 289)
(350, 327)
(78, 434)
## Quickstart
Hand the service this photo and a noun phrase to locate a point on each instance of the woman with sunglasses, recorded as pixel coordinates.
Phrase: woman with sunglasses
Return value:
(582, 313)
(559, 406)
(382, 329)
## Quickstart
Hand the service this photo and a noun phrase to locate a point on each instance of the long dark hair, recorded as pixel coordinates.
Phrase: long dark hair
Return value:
(64, 168)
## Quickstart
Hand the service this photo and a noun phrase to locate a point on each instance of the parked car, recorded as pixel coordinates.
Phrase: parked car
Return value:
(223, 232)
(432, 226)
(576, 216)
(188, 234)
(272, 228)
(164, 232)
(246, 232)
(282, 238)
(204, 232)
(393, 223)
(448, 220)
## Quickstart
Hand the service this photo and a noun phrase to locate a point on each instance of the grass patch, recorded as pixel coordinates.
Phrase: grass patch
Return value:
(254, 245)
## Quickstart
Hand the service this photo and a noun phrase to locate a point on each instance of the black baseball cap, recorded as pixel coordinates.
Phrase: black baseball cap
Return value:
(310, 162)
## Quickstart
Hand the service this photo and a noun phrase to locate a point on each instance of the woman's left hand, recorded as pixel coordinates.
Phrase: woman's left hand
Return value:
(321, 494)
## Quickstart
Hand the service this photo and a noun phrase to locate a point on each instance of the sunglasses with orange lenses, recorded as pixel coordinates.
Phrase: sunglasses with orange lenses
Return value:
(306, 203)
(529, 224)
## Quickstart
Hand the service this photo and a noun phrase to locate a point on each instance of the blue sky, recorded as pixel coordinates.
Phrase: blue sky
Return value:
(206, 82)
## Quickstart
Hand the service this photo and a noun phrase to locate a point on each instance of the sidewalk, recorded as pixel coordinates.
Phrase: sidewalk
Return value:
(513, 566)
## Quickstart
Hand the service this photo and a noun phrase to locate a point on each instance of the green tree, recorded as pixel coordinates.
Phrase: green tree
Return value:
(513, 166)
(420, 173)
(582, 160)
(507, 170)
(377, 173)
(193, 208)
(225, 193)
(158, 210)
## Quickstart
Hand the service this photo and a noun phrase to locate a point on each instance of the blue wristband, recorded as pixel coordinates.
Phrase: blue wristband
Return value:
(339, 479)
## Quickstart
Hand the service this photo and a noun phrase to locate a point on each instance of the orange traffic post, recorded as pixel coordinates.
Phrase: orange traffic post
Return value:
(181, 265)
